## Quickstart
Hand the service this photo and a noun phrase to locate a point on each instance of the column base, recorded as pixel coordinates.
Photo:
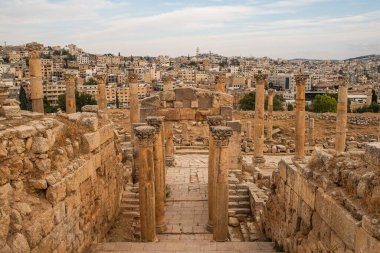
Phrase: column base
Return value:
(258, 161)
(169, 161)
(210, 227)
(160, 228)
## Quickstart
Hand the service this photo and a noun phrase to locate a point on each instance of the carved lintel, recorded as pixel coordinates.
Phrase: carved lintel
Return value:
(260, 77)
(214, 120)
(221, 135)
(101, 77)
(133, 78)
(155, 121)
(145, 134)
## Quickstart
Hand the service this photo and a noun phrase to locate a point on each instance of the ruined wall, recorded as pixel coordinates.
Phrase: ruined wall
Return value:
(330, 205)
(60, 183)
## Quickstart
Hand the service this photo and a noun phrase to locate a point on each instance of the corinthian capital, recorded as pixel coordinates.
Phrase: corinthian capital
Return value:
(214, 120)
(260, 77)
(221, 135)
(101, 77)
(133, 78)
(156, 122)
(34, 50)
(168, 78)
(145, 134)
(69, 79)
(221, 78)
(343, 80)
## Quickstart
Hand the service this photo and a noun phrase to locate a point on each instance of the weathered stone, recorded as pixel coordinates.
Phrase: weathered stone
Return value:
(40, 145)
(234, 222)
(19, 244)
(24, 131)
(90, 108)
(40, 184)
(56, 193)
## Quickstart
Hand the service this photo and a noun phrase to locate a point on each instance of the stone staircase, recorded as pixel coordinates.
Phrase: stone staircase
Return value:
(130, 207)
(186, 246)
(238, 202)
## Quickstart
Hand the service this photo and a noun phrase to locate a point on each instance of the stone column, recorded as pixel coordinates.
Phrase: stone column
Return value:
(146, 137)
(35, 74)
(300, 116)
(168, 83)
(249, 130)
(159, 171)
(221, 136)
(311, 140)
(70, 93)
(102, 96)
(270, 115)
(169, 148)
(369, 96)
(258, 158)
(235, 145)
(134, 108)
(220, 83)
(185, 134)
(341, 116)
(212, 121)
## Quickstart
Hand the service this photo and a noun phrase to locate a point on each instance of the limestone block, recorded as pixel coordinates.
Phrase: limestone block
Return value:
(226, 112)
(59, 212)
(19, 244)
(91, 141)
(372, 154)
(307, 191)
(186, 103)
(194, 104)
(178, 104)
(90, 108)
(151, 102)
(185, 94)
(39, 184)
(91, 123)
(366, 243)
(24, 131)
(10, 111)
(205, 102)
(74, 116)
(235, 125)
(282, 167)
(46, 219)
(40, 145)
(168, 96)
(187, 114)
(33, 232)
(56, 193)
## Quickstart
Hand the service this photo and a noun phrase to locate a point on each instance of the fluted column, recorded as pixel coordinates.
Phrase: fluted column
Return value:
(35, 73)
(146, 137)
(220, 83)
(134, 108)
(258, 158)
(341, 117)
(221, 136)
(102, 96)
(70, 93)
(311, 138)
(212, 121)
(270, 115)
(169, 147)
(300, 115)
(159, 171)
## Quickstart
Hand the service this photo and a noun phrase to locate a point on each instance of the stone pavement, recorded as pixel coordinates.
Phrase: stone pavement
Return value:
(186, 216)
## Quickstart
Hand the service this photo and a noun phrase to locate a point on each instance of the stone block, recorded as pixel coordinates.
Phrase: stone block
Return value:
(205, 102)
(365, 243)
(282, 168)
(194, 104)
(178, 104)
(10, 111)
(90, 108)
(372, 154)
(307, 191)
(187, 114)
(235, 125)
(185, 94)
(24, 131)
(40, 145)
(186, 103)
(56, 193)
(91, 141)
(226, 112)
(168, 96)
(151, 102)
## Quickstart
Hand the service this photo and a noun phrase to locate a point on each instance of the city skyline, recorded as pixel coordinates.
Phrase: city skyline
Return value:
(312, 29)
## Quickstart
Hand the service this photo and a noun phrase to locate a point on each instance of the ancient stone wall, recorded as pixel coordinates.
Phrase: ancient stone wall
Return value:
(330, 205)
(60, 183)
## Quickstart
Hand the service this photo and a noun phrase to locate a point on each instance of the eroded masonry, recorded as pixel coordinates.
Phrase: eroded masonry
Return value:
(182, 172)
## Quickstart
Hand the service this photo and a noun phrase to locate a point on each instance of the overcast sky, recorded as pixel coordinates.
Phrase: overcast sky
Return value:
(319, 29)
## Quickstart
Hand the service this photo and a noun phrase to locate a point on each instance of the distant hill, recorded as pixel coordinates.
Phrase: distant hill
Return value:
(365, 57)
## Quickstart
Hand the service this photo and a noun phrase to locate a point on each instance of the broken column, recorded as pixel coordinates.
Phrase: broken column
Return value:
(311, 139)
(270, 115)
(168, 83)
(159, 171)
(221, 136)
(134, 108)
(70, 93)
(235, 145)
(102, 96)
(35, 74)
(220, 83)
(258, 158)
(300, 116)
(212, 121)
(341, 117)
(146, 136)
(169, 147)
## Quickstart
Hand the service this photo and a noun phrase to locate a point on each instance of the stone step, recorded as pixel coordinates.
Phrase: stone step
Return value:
(130, 201)
(241, 204)
(131, 214)
(237, 210)
(130, 207)
(238, 198)
(130, 195)
(186, 246)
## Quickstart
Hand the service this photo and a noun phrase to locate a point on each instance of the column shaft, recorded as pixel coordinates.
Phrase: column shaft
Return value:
(270, 115)
(300, 116)
(35, 73)
(169, 147)
(311, 132)
(102, 96)
(134, 108)
(259, 119)
(341, 117)
(70, 94)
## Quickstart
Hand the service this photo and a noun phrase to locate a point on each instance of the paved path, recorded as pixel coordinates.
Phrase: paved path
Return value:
(186, 213)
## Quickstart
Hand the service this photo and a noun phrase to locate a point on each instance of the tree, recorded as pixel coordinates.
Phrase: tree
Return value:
(290, 107)
(47, 107)
(248, 102)
(117, 100)
(90, 81)
(374, 97)
(24, 102)
(324, 103)
(81, 100)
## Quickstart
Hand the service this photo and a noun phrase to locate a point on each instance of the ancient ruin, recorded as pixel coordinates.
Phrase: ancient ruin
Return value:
(182, 171)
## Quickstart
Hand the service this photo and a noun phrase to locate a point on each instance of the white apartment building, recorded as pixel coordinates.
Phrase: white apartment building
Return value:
(83, 59)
